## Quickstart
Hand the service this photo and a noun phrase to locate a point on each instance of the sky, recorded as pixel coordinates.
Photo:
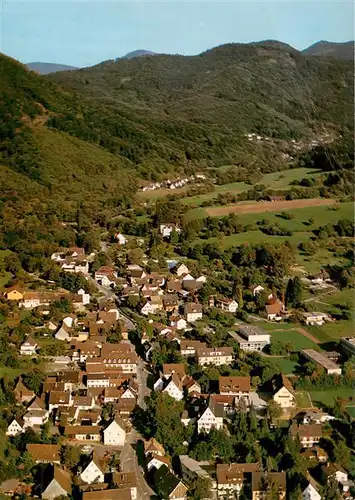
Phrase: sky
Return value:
(84, 32)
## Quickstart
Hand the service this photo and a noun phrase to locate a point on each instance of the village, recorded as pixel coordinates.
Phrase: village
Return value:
(91, 390)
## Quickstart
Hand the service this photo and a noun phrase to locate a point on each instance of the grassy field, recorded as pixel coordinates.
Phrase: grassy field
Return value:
(335, 304)
(10, 373)
(275, 180)
(327, 397)
(286, 366)
(351, 411)
(299, 340)
(303, 399)
(253, 238)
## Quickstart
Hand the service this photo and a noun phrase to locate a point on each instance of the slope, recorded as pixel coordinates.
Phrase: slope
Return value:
(201, 106)
(342, 50)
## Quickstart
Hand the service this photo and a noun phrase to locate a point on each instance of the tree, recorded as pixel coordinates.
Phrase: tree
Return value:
(70, 456)
(274, 410)
(239, 293)
(33, 380)
(200, 489)
(330, 490)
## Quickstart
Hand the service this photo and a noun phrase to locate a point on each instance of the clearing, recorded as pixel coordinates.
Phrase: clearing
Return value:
(298, 339)
(328, 396)
(267, 206)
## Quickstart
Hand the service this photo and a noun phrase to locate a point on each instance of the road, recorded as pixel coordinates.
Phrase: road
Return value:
(108, 293)
(128, 458)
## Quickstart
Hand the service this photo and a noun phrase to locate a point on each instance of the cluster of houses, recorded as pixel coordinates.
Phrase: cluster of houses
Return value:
(73, 260)
(174, 184)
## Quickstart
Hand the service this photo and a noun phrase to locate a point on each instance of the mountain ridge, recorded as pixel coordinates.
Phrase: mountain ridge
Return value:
(338, 50)
(44, 68)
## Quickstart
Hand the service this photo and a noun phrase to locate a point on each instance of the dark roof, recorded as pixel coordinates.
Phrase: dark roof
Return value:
(263, 481)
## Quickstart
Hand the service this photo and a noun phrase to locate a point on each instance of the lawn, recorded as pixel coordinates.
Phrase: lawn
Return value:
(10, 373)
(253, 238)
(327, 396)
(334, 305)
(303, 400)
(351, 411)
(286, 366)
(275, 180)
(299, 340)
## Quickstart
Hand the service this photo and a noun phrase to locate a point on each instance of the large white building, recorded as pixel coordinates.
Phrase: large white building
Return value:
(251, 338)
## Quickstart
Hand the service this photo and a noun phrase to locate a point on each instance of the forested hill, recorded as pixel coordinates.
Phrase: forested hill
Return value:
(266, 87)
(90, 130)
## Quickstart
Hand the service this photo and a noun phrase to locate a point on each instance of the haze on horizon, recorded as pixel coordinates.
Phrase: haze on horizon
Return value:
(82, 33)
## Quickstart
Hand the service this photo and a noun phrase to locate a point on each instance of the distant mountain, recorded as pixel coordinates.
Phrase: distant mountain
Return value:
(44, 68)
(138, 53)
(342, 50)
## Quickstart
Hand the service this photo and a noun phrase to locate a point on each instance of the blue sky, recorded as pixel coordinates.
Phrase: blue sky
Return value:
(85, 32)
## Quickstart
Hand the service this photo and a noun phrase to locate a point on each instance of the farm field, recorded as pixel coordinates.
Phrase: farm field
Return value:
(327, 396)
(303, 399)
(253, 238)
(267, 206)
(299, 340)
(276, 180)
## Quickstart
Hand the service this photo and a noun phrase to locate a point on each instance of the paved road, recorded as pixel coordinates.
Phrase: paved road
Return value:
(128, 458)
(108, 293)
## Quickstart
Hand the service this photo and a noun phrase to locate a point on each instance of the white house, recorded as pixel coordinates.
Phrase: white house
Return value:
(257, 289)
(63, 333)
(229, 305)
(156, 461)
(179, 322)
(121, 240)
(34, 418)
(167, 229)
(85, 296)
(311, 493)
(211, 418)
(193, 312)
(92, 473)
(147, 308)
(283, 392)
(115, 433)
(181, 270)
(28, 347)
(316, 318)
(60, 484)
(174, 387)
(15, 427)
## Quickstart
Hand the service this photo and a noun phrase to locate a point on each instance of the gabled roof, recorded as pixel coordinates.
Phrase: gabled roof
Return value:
(234, 384)
(153, 446)
(63, 478)
(170, 368)
(166, 481)
(307, 430)
(279, 381)
(234, 473)
(37, 403)
(263, 481)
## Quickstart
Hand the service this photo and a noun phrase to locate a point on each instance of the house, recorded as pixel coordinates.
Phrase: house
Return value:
(174, 388)
(64, 333)
(34, 418)
(232, 477)
(192, 387)
(157, 461)
(121, 240)
(315, 318)
(264, 484)
(170, 368)
(44, 453)
(256, 289)
(166, 229)
(178, 322)
(93, 472)
(181, 270)
(152, 305)
(169, 486)
(282, 391)
(171, 303)
(333, 470)
(274, 310)
(229, 305)
(14, 293)
(192, 470)
(22, 394)
(235, 386)
(311, 492)
(211, 418)
(115, 433)
(320, 278)
(251, 338)
(106, 276)
(83, 432)
(193, 312)
(28, 347)
(59, 484)
(309, 435)
(153, 447)
(15, 427)
(59, 398)
(83, 402)
(108, 494)
(214, 355)
(316, 417)
(188, 347)
(124, 481)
